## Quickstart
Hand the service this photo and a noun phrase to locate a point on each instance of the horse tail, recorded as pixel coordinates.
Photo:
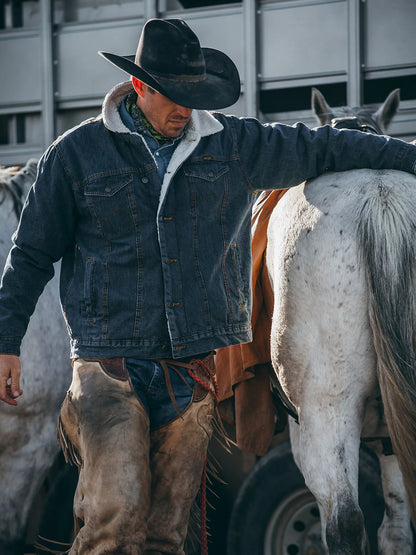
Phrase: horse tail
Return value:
(387, 241)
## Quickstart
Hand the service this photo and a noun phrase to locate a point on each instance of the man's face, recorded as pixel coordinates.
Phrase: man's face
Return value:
(168, 118)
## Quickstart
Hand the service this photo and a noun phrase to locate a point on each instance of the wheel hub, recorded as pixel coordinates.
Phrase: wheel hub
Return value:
(294, 527)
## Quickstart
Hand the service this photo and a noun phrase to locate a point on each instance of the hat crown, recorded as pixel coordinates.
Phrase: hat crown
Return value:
(169, 48)
(170, 60)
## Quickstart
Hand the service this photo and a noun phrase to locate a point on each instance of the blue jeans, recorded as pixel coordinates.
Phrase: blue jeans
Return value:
(148, 380)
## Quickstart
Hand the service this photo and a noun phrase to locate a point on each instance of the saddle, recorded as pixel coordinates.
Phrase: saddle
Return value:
(243, 370)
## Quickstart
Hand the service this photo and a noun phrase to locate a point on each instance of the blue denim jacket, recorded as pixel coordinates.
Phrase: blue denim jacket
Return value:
(161, 268)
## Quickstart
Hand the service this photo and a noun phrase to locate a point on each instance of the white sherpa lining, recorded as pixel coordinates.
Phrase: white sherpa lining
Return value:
(202, 124)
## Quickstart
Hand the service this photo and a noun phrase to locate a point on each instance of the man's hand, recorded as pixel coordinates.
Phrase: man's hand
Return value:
(10, 379)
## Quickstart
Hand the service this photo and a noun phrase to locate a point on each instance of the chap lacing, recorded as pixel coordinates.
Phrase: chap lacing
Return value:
(51, 546)
(190, 366)
(210, 376)
(212, 390)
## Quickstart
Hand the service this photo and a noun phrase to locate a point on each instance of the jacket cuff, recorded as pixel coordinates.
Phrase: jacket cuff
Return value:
(10, 345)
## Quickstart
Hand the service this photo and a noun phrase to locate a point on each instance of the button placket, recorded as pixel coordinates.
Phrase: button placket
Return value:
(171, 274)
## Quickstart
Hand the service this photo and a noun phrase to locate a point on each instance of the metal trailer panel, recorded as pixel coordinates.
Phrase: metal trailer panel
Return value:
(389, 37)
(21, 69)
(81, 74)
(300, 40)
(88, 11)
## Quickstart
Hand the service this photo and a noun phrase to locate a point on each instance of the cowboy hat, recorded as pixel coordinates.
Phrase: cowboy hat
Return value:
(170, 59)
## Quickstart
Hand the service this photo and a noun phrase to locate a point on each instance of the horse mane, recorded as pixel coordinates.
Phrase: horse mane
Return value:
(12, 184)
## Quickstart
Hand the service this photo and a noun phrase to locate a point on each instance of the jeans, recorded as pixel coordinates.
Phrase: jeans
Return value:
(149, 383)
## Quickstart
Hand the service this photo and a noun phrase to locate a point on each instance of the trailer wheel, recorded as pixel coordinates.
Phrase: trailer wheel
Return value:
(275, 513)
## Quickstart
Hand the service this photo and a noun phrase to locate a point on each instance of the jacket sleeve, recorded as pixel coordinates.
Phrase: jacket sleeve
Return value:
(45, 231)
(276, 156)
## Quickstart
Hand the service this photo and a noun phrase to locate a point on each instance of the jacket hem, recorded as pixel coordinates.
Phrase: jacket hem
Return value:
(10, 347)
(109, 349)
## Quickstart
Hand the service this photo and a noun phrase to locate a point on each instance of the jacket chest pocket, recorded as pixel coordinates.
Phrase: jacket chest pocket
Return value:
(111, 204)
(209, 184)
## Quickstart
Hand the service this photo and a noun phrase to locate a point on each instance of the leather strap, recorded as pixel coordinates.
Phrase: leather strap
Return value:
(196, 367)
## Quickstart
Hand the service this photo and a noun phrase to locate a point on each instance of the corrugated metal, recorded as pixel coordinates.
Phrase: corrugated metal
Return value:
(301, 41)
(390, 38)
(82, 75)
(20, 68)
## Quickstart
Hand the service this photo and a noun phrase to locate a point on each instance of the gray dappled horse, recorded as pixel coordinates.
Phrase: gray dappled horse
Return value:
(28, 446)
(342, 261)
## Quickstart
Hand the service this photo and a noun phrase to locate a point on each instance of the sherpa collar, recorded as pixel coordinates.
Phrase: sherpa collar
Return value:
(202, 122)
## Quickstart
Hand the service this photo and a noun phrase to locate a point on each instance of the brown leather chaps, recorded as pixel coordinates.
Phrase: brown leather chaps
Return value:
(135, 487)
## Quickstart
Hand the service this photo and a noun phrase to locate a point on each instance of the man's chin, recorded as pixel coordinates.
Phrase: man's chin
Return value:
(175, 132)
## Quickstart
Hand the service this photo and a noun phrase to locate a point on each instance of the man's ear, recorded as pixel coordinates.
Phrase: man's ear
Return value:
(137, 85)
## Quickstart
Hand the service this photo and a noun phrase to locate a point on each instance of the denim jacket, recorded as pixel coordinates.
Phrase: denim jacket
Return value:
(157, 268)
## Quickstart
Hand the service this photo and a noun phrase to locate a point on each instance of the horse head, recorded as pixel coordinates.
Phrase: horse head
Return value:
(363, 119)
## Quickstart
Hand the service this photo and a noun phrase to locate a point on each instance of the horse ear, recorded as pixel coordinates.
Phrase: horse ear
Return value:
(388, 110)
(320, 108)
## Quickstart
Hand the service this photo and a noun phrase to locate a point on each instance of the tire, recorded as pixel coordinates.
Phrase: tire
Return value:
(275, 513)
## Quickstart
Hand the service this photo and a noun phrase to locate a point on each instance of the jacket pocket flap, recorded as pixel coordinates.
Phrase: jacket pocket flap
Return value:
(209, 172)
(107, 186)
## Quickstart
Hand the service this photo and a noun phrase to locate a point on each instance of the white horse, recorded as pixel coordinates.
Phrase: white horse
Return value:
(341, 256)
(28, 446)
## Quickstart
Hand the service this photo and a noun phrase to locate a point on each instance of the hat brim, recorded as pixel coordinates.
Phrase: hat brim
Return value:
(220, 88)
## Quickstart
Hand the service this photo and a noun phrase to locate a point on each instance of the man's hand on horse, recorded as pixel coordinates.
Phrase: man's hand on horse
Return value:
(10, 379)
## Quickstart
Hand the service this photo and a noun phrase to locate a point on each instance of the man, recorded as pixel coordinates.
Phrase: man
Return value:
(149, 208)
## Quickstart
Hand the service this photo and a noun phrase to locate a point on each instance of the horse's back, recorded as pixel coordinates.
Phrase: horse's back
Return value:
(336, 200)
(315, 225)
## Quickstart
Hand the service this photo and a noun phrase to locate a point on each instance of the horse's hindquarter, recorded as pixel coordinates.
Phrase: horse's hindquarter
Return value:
(320, 324)
(323, 349)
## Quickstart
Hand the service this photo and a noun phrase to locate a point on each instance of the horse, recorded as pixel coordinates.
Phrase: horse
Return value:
(28, 446)
(342, 263)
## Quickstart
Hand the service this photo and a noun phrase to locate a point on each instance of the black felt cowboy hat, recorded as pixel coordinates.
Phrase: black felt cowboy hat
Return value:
(170, 59)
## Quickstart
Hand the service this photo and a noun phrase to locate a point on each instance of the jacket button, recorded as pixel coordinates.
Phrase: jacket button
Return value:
(108, 189)
(145, 180)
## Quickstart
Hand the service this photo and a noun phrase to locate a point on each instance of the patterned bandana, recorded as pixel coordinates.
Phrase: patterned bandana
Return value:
(143, 126)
